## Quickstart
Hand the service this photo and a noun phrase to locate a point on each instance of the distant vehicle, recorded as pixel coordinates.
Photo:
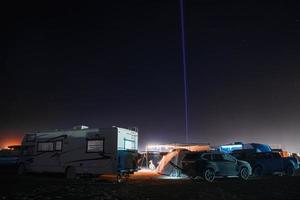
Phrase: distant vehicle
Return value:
(264, 163)
(210, 165)
(9, 157)
(81, 151)
(257, 147)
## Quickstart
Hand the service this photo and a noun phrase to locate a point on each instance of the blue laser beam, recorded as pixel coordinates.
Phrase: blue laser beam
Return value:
(183, 50)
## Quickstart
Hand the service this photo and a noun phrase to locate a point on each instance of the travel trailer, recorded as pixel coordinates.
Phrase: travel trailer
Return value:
(81, 151)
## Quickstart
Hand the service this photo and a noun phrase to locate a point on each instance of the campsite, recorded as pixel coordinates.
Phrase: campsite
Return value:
(149, 100)
(147, 182)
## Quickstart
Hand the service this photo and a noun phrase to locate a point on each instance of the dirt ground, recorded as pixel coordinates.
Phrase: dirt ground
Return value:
(146, 185)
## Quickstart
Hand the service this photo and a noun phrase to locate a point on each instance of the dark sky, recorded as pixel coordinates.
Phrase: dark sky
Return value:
(119, 63)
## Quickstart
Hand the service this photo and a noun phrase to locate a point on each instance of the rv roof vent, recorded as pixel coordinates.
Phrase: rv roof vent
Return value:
(134, 129)
(80, 127)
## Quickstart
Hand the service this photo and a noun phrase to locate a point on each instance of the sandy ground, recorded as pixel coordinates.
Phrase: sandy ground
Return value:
(146, 185)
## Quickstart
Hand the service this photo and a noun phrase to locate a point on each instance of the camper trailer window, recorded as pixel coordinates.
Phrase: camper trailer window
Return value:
(95, 146)
(58, 145)
(129, 144)
(45, 146)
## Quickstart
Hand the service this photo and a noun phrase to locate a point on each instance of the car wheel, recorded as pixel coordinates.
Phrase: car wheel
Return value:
(290, 170)
(209, 175)
(258, 171)
(21, 169)
(71, 173)
(244, 173)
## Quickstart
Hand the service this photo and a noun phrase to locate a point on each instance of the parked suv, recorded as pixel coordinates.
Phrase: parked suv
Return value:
(209, 165)
(268, 162)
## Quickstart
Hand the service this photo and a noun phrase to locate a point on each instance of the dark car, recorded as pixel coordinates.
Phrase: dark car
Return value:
(210, 165)
(264, 163)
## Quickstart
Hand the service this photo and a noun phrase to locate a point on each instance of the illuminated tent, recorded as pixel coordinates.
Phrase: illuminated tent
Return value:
(170, 164)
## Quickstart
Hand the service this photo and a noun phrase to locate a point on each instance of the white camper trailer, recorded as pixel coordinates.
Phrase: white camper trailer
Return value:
(80, 151)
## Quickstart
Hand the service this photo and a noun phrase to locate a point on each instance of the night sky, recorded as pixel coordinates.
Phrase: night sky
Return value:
(111, 63)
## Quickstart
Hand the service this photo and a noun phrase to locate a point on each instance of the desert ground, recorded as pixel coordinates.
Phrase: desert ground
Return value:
(145, 185)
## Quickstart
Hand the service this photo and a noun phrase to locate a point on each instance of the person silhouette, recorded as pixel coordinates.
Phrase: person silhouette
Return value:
(151, 165)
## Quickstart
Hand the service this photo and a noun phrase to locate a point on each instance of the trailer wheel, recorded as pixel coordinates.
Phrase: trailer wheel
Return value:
(71, 173)
(21, 169)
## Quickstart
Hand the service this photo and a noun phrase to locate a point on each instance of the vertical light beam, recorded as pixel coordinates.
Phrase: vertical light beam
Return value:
(184, 69)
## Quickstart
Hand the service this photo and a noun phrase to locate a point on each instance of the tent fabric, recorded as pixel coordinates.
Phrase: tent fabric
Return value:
(170, 164)
(197, 148)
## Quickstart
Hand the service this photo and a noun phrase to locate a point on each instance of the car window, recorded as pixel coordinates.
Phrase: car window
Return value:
(192, 156)
(207, 156)
(228, 157)
(238, 155)
(258, 155)
(218, 157)
(268, 156)
(276, 155)
(264, 155)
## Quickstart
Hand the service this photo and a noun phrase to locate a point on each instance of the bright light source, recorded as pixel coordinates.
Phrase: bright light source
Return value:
(9, 139)
(172, 177)
(170, 147)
